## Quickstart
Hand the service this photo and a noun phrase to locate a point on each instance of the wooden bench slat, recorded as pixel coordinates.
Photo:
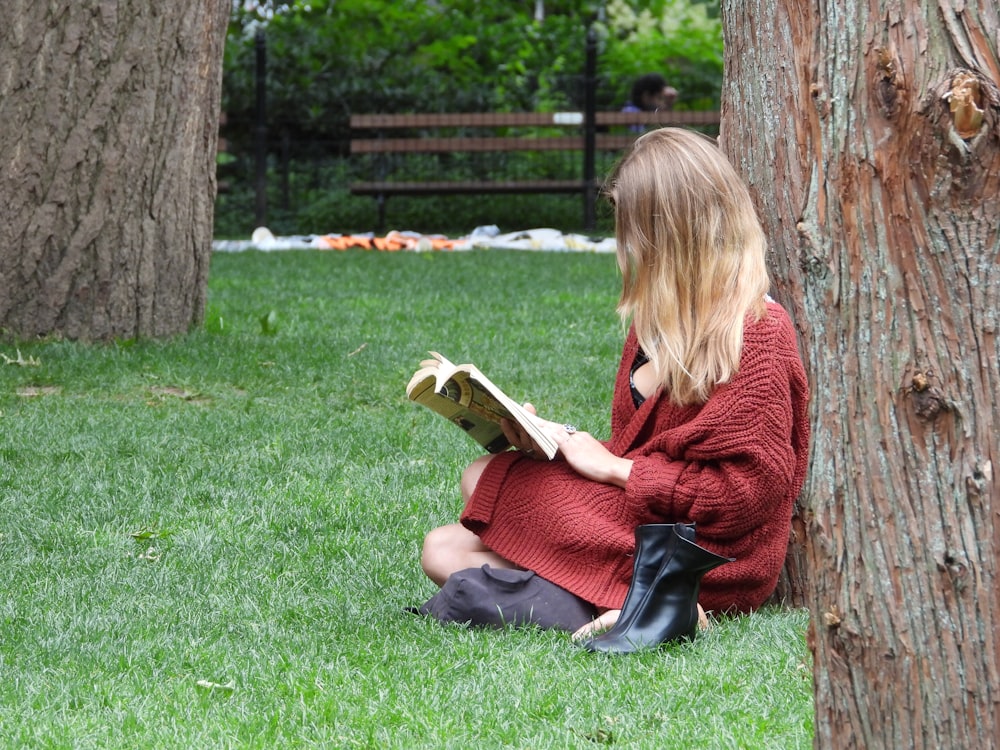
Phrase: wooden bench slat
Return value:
(463, 119)
(439, 145)
(459, 187)
(660, 119)
(527, 119)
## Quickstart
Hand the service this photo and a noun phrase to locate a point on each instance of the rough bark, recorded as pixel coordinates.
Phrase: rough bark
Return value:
(110, 113)
(871, 136)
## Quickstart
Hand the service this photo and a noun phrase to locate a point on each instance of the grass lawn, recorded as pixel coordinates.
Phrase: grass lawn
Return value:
(208, 542)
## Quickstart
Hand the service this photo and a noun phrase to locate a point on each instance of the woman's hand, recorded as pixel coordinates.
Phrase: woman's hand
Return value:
(519, 438)
(581, 450)
(588, 456)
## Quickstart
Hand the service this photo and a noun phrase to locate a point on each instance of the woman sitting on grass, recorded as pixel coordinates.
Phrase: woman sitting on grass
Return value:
(708, 419)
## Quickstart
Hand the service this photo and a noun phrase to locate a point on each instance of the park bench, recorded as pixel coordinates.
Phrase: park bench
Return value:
(389, 143)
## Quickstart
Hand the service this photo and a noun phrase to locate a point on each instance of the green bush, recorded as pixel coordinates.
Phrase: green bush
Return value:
(327, 60)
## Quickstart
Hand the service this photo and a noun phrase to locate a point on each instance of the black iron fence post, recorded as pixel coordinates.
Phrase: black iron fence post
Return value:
(590, 131)
(260, 129)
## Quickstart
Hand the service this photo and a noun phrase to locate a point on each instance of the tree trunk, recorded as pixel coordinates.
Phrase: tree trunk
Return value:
(110, 112)
(870, 134)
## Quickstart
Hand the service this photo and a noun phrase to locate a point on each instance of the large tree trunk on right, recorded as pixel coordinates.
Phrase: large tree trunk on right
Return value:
(870, 135)
(109, 112)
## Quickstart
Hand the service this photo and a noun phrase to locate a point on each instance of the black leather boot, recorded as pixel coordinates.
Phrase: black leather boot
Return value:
(653, 543)
(669, 607)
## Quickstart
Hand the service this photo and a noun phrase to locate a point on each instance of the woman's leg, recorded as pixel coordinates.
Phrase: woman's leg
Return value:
(448, 549)
(470, 477)
(451, 548)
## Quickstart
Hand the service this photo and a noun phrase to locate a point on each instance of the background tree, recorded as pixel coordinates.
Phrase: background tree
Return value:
(110, 116)
(871, 134)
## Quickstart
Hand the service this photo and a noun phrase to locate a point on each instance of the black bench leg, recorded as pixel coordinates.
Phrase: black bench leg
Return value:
(380, 200)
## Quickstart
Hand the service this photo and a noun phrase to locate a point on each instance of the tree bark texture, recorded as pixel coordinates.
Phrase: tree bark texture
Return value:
(870, 134)
(110, 112)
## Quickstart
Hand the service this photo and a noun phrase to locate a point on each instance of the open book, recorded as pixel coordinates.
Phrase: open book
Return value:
(463, 395)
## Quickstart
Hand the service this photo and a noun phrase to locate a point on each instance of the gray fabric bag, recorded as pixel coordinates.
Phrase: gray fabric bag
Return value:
(496, 597)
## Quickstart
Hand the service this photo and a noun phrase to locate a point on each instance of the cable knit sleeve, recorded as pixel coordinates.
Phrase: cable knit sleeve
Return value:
(733, 463)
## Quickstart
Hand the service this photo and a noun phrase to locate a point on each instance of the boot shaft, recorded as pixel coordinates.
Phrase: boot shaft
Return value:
(691, 559)
(654, 543)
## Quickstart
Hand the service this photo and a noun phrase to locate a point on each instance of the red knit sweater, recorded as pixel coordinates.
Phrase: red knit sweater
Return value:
(733, 465)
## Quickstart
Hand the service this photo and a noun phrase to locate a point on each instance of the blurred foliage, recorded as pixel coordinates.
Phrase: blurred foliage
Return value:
(327, 59)
(682, 40)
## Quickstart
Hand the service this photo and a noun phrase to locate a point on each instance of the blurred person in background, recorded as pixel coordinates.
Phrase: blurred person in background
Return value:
(650, 93)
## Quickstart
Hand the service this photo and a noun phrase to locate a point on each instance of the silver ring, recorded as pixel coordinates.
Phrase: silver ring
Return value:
(529, 451)
(570, 428)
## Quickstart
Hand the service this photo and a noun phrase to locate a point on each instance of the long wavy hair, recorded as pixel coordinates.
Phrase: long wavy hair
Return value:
(692, 256)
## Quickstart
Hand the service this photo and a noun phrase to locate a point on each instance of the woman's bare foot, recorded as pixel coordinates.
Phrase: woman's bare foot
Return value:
(607, 620)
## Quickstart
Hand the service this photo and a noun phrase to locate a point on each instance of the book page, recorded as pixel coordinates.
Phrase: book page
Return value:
(463, 404)
(466, 397)
(514, 410)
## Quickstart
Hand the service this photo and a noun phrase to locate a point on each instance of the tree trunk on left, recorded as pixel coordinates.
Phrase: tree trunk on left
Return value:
(109, 113)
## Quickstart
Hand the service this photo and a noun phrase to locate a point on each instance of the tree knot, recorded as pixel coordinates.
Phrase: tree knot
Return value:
(888, 84)
(927, 398)
(965, 101)
(831, 618)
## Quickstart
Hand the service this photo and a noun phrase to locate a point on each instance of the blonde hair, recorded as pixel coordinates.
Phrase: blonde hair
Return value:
(692, 255)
